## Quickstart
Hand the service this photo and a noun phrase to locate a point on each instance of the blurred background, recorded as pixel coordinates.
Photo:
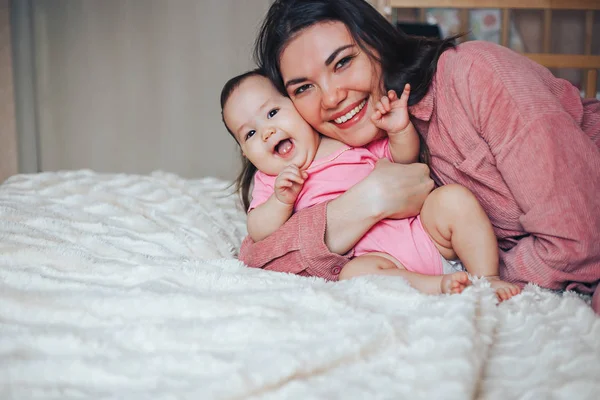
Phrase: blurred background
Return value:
(132, 86)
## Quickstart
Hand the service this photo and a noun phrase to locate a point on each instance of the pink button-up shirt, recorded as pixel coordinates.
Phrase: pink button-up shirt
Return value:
(522, 141)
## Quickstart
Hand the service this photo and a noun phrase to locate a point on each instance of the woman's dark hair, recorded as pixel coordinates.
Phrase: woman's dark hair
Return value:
(244, 179)
(403, 58)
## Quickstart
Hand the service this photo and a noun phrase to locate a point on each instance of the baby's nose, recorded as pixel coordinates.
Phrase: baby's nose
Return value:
(267, 134)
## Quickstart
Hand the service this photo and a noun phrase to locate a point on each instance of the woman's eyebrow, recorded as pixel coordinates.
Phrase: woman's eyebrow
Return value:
(328, 61)
(335, 53)
(294, 81)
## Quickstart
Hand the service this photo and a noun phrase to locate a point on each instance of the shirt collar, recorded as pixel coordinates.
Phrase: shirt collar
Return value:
(424, 108)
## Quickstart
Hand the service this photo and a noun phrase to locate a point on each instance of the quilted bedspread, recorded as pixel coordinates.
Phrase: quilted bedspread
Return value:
(126, 286)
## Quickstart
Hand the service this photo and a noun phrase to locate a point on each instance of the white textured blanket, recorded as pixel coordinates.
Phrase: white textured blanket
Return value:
(121, 286)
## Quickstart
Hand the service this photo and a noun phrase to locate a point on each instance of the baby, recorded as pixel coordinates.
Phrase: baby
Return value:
(293, 167)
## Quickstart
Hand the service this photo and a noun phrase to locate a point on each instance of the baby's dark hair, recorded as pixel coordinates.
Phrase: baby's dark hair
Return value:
(243, 182)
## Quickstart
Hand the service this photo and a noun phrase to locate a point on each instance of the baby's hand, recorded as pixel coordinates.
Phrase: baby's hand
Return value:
(391, 112)
(288, 184)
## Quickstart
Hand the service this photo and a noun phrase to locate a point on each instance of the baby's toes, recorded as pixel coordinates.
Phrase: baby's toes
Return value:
(502, 294)
(463, 277)
(456, 288)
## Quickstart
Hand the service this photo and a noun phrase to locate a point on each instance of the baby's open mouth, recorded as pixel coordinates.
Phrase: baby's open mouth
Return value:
(284, 147)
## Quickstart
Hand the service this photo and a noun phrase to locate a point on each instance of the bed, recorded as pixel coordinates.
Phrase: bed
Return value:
(126, 286)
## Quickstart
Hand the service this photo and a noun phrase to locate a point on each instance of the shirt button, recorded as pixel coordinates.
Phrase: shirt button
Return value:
(336, 270)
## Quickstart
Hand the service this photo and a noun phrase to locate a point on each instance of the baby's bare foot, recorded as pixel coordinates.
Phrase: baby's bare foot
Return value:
(504, 290)
(455, 282)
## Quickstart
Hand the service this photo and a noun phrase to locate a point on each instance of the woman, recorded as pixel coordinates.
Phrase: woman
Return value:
(520, 139)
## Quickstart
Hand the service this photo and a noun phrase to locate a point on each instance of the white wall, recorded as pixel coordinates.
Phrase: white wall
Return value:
(8, 136)
(133, 85)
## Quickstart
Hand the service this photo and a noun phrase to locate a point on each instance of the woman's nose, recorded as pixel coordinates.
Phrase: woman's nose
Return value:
(332, 97)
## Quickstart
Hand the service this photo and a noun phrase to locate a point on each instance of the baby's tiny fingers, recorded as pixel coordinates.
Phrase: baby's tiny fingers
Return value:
(392, 95)
(376, 116)
(294, 177)
(385, 101)
(292, 168)
(405, 93)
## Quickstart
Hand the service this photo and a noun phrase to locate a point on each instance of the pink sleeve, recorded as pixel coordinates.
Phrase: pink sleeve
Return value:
(550, 166)
(297, 247)
(262, 190)
(381, 148)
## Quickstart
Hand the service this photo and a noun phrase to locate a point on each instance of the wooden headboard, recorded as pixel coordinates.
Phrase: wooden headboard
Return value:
(586, 61)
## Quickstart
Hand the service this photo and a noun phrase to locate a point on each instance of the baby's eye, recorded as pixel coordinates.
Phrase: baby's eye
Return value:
(272, 113)
(301, 89)
(250, 134)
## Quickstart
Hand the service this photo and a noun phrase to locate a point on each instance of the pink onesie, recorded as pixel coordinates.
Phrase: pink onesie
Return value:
(329, 177)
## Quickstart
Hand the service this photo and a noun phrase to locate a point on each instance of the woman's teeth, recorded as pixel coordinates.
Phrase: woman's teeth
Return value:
(351, 113)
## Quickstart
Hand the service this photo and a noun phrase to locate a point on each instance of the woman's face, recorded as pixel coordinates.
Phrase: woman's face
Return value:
(333, 83)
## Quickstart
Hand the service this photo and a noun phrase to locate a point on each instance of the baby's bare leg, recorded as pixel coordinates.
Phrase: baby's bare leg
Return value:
(459, 227)
(384, 264)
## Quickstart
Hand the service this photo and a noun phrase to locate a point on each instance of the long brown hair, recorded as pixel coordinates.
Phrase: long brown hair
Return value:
(243, 182)
(403, 58)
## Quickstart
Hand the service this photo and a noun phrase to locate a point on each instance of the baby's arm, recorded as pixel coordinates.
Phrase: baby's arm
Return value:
(268, 217)
(391, 115)
(273, 213)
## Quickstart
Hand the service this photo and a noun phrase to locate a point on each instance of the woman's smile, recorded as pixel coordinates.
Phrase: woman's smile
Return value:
(333, 82)
(351, 115)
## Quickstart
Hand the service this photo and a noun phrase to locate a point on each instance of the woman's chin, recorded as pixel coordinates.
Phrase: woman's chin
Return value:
(362, 138)
(361, 135)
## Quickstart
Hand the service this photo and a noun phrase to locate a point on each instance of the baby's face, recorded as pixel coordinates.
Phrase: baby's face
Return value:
(268, 128)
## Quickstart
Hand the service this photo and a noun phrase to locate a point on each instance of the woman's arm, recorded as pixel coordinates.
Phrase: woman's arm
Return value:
(391, 191)
(316, 240)
(550, 165)
(558, 190)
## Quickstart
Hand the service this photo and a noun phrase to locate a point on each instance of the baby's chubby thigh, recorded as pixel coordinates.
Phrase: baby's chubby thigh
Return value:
(374, 263)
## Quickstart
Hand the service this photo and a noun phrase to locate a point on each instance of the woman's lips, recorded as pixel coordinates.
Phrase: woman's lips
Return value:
(355, 119)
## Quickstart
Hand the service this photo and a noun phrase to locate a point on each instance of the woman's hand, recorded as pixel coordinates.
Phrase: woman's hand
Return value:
(397, 190)
(390, 191)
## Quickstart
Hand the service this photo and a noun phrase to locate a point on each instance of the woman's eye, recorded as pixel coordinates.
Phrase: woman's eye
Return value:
(272, 113)
(301, 89)
(343, 62)
(250, 134)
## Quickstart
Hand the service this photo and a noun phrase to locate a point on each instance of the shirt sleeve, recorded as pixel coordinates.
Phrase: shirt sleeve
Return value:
(381, 148)
(297, 247)
(550, 165)
(262, 189)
